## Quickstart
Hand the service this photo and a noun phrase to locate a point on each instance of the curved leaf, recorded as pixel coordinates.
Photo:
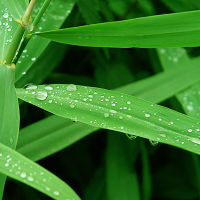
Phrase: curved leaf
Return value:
(116, 111)
(22, 169)
(170, 30)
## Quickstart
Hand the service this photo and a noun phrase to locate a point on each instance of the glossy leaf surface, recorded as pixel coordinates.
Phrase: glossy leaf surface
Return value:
(26, 171)
(116, 111)
(170, 30)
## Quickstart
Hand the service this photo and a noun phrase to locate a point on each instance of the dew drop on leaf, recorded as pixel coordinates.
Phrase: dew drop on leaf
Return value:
(23, 174)
(106, 114)
(71, 87)
(131, 137)
(153, 143)
(30, 87)
(41, 95)
(48, 87)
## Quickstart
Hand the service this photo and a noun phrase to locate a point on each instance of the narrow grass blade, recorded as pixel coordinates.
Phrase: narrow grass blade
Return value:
(7, 30)
(49, 136)
(52, 19)
(9, 113)
(16, 8)
(26, 171)
(121, 177)
(161, 86)
(116, 111)
(170, 30)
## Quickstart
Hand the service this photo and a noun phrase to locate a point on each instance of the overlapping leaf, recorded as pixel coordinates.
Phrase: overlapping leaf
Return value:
(170, 30)
(116, 111)
(22, 169)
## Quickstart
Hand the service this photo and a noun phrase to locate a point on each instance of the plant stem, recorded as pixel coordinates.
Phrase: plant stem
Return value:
(11, 51)
(35, 22)
(29, 11)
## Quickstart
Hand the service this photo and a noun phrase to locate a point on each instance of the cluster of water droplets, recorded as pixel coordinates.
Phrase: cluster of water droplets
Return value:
(27, 173)
(116, 112)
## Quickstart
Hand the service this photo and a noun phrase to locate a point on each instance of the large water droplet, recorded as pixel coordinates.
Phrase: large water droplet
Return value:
(71, 87)
(153, 143)
(131, 137)
(30, 87)
(41, 95)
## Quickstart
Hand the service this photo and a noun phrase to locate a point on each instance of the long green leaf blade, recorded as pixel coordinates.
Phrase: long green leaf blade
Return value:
(22, 169)
(116, 111)
(16, 8)
(170, 30)
(50, 135)
(9, 112)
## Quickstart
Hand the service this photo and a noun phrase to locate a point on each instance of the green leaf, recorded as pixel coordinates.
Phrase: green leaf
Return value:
(9, 117)
(7, 30)
(170, 30)
(50, 135)
(121, 177)
(44, 65)
(89, 10)
(26, 171)
(116, 111)
(179, 5)
(16, 8)
(161, 86)
(52, 19)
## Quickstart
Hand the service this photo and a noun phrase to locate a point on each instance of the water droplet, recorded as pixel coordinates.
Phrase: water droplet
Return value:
(56, 193)
(106, 114)
(5, 15)
(50, 101)
(72, 106)
(23, 174)
(47, 188)
(7, 164)
(131, 137)
(147, 115)
(71, 87)
(30, 87)
(33, 59)
(128, 102)
(41, 95)
(48, 87)
(153, 143)
(30, 178)
(23, 73)
(190, 130)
